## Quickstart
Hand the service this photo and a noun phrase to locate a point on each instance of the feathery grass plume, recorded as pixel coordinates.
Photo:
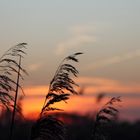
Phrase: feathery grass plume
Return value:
(104, 116)
(62, 85)
(60, 89)
(10, 66)
(8, 69)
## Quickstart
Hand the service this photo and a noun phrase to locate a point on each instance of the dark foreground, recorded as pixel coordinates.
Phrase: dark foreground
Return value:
(77, 128)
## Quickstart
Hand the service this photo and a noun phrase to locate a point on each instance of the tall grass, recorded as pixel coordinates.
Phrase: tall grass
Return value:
(10, 66)
(8, 69)
(18, 51)
(104, 116)
(60, 88)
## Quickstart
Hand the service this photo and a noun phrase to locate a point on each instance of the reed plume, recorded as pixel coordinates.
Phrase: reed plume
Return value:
(8, 69)
(10, 66)
(60, 88)
(104, 116)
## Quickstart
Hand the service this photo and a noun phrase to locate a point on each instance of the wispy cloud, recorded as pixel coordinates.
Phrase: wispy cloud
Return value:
(113, 60)
(79, 36)
(35, 67)
(94, 85)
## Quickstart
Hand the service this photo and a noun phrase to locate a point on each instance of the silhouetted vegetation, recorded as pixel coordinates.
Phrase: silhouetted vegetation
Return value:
(55, 126)
(104, 117)
(10, 67)
(60, 89)
(76, 128)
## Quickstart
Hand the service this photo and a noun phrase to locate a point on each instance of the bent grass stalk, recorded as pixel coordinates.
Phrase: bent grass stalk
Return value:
(60, 89)
(15, 101)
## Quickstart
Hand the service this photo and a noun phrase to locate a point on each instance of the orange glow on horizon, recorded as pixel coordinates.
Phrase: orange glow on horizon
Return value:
(35, 96)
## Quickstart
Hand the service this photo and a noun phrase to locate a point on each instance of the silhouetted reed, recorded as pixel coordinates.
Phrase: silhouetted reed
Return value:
(104, 117)
(60, 89)
(10, 66)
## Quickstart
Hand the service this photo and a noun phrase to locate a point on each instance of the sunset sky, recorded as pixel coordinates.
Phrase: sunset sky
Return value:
(108, 33)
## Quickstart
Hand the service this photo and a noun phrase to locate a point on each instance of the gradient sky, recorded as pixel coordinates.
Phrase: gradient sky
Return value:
(107, 31)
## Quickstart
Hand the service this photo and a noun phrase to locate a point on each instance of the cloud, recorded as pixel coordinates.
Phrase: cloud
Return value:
(35, 96)
(113, 60)
(34, 67)
(94, 85)
(36, 90)
(82, 29)
(79, 36)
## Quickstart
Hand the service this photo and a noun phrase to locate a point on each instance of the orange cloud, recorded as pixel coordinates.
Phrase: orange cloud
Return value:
(35, 96)
(36, 90)
(95, 85)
